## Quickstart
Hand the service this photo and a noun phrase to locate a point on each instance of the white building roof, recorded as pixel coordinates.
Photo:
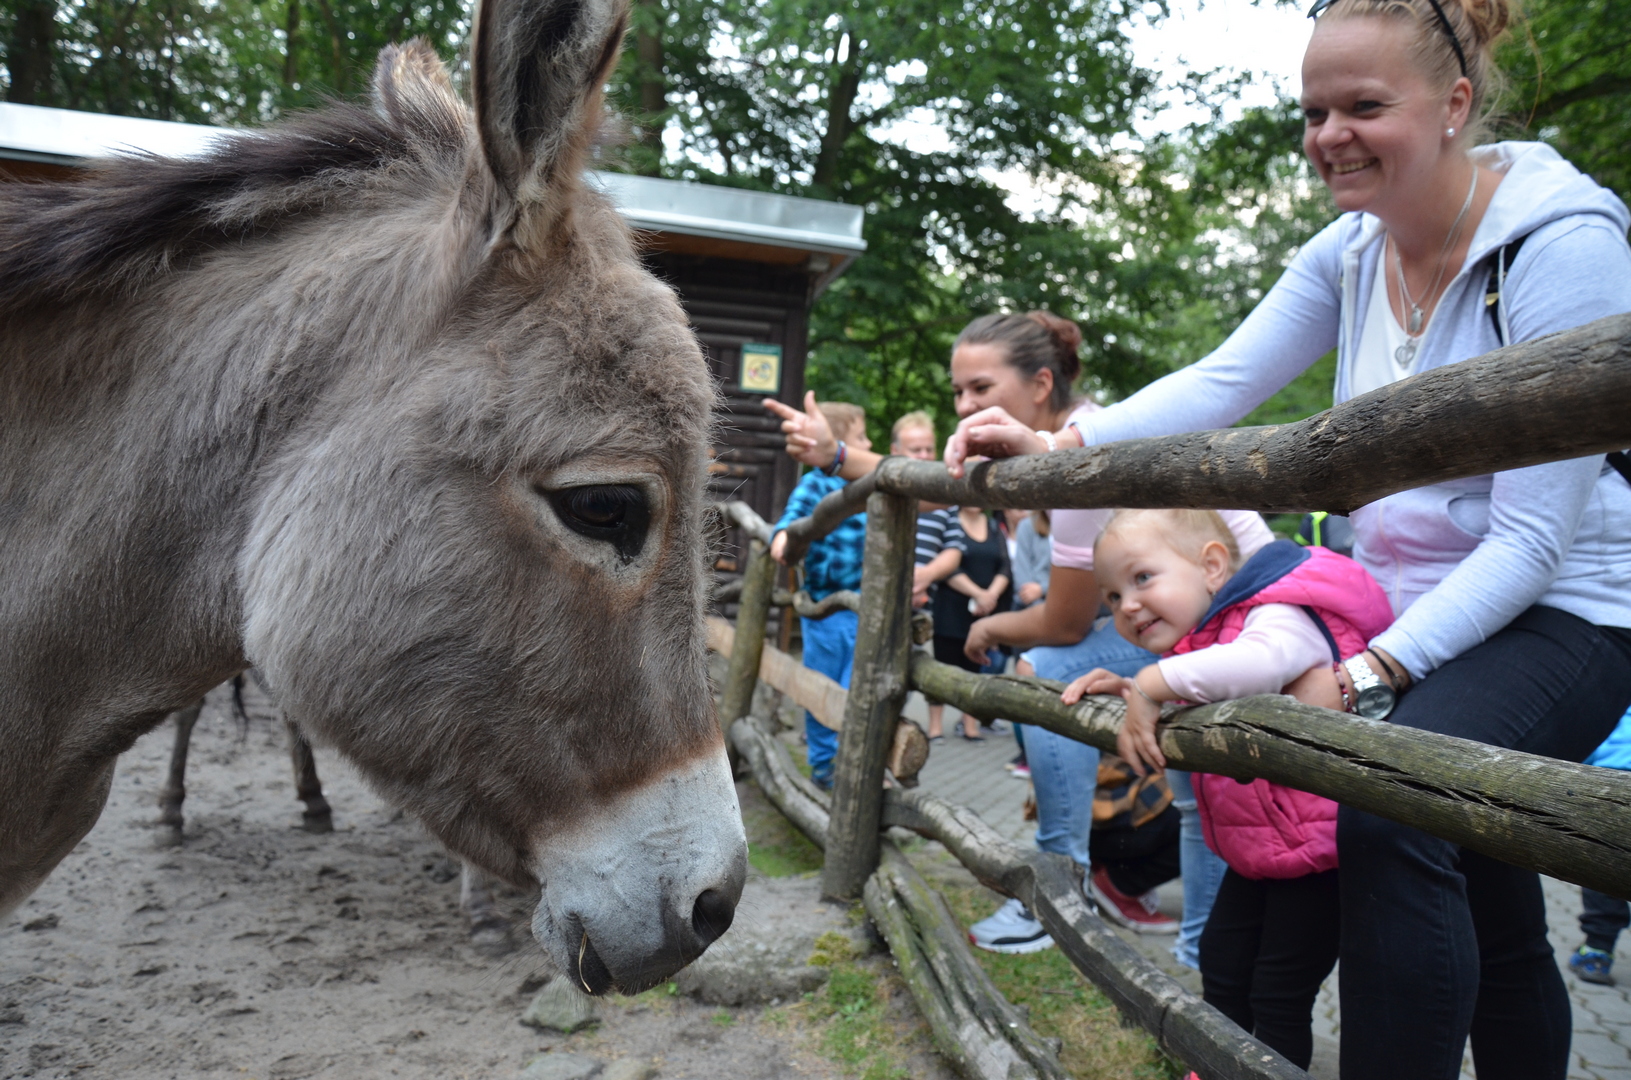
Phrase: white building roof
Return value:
(832, 230)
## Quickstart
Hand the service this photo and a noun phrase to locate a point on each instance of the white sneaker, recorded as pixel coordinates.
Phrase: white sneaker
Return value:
(1012, 929)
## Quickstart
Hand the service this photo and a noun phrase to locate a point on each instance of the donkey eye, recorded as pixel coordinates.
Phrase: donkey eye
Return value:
(615, 513)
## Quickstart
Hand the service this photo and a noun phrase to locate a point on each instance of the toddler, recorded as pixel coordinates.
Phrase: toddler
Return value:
(1176, 586)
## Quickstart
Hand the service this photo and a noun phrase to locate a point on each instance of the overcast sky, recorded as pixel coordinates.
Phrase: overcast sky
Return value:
(1265, 38)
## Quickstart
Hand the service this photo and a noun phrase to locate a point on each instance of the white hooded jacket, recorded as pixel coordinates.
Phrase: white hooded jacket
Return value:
(1459, 560)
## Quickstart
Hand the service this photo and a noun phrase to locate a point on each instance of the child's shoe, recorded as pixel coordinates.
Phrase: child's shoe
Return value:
(1134, 912)
(1013, 929)
(1592, 965)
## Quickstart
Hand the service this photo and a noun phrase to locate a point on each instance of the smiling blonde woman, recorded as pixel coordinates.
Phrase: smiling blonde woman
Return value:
(1513, 590)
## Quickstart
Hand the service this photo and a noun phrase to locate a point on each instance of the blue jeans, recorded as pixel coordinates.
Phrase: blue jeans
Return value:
(1201, 868)
(1064, 772)
(829, 647)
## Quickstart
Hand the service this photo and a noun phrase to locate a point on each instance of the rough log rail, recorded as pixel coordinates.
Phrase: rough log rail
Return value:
(1569, 821)
(1050, 885)
(973, 1025)
(1465, 419)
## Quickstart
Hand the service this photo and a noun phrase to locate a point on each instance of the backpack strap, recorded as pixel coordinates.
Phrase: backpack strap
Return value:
(1494, 301)
(1336, 653)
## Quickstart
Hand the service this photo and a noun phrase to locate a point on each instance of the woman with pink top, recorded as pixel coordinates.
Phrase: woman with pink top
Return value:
(1225, 629)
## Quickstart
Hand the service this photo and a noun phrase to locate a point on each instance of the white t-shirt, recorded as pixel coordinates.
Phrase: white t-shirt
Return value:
(1376, 362)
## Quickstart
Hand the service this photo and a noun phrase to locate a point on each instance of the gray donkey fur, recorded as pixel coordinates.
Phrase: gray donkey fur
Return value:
(382, 401)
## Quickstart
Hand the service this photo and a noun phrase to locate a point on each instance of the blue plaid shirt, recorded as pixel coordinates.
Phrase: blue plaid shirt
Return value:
(834, 561)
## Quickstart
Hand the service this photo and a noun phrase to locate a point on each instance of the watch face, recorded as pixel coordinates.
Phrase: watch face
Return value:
(1374, 702)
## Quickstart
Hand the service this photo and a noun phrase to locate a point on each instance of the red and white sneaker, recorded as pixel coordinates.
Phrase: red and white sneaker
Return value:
(1138, 913)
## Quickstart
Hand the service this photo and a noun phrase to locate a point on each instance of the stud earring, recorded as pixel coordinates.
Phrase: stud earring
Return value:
(1450, 133)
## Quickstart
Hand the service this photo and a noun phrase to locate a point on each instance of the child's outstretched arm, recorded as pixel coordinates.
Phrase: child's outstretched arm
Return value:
(1143, 693)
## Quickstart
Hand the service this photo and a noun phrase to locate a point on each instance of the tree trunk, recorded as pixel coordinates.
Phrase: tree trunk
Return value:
(877, 691)
(1566, 820)
(291, 28)
(1563, 396)
(648, 51)
(30, 52)
(840, 100)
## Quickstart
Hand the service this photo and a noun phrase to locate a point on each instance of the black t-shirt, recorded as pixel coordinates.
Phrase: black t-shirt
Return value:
(982, 562)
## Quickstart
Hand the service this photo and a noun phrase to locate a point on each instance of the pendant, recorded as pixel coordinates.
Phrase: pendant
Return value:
(1415, 321)
(1405, 354)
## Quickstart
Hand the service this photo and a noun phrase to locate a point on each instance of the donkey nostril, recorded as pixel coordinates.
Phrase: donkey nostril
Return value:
(712, 915)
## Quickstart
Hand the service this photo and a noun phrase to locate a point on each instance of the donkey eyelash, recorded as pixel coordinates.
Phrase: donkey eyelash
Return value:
(618, 514)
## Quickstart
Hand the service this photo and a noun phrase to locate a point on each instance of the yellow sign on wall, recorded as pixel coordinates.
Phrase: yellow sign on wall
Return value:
(761, 368)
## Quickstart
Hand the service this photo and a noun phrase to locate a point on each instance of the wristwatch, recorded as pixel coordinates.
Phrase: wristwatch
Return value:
(1373, 699)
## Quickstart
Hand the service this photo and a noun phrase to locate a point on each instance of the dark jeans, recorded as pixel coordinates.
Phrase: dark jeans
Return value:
(1602, 917)
(1266, 948)
(1137, 860)
(1439, 943)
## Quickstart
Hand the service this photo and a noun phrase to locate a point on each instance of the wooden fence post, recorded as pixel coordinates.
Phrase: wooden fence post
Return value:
(877, 690)
(752, 611)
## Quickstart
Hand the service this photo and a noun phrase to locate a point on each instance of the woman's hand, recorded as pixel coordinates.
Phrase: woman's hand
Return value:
(809, 439)
(980, 641)
(985, 602)
(990, 433)
(1317, 686)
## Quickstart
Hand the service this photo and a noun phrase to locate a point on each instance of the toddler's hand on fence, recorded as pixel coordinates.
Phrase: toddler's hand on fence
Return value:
(990, 433)
(1136, 741)
(1097, 681)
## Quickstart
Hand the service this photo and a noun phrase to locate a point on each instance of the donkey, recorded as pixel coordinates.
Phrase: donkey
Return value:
(383, 402)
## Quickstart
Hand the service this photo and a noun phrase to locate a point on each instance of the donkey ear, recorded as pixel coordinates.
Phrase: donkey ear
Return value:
(412, 90)
(538, 67)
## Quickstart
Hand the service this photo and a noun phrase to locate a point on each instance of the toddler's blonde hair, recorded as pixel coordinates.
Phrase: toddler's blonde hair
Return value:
(1186, 531)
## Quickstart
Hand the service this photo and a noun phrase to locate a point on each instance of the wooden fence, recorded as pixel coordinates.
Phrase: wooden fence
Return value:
(1568, 395)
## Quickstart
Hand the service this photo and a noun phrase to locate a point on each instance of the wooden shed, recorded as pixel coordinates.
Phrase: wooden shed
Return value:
(748, 266)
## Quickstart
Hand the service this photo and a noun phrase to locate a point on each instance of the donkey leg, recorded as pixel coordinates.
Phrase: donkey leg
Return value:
(489, 930)
(175, 786)
(318, 818)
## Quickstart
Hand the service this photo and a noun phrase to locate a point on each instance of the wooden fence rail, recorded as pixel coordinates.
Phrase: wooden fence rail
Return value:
(1570, 821)
(1568, 395)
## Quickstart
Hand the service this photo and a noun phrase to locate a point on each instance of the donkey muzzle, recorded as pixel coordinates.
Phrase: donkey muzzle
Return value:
(643, 888)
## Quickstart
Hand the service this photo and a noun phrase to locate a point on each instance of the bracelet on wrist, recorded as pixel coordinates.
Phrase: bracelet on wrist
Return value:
(837, 460)
(1143, 694)
(1397, 679)
(1347, 702)
(1048, 438)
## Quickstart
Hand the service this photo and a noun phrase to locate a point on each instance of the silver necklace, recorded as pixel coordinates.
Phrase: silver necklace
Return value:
(1405, 354)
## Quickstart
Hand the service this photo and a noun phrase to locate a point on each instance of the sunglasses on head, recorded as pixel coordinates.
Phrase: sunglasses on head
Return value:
(1443, 20)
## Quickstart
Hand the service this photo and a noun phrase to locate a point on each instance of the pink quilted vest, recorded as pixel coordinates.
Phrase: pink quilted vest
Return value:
(1265, 830)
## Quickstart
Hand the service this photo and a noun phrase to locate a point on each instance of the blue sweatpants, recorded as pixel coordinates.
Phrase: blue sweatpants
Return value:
(829, 647)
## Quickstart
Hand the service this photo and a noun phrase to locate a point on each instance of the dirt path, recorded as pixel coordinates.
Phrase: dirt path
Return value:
(257, 950)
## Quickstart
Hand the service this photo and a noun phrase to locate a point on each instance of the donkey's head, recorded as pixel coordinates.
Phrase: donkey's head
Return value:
(478, 568)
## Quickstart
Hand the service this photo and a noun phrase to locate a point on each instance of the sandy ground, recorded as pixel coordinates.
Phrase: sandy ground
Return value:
(257, 950)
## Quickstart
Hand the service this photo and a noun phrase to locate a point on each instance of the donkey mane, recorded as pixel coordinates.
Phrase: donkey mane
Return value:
(139, 216)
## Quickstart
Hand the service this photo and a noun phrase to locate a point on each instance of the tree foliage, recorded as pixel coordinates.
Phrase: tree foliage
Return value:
(931, 114)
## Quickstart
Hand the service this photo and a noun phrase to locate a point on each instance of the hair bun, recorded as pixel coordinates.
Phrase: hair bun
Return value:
(1487, 19)
(1068, 336)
